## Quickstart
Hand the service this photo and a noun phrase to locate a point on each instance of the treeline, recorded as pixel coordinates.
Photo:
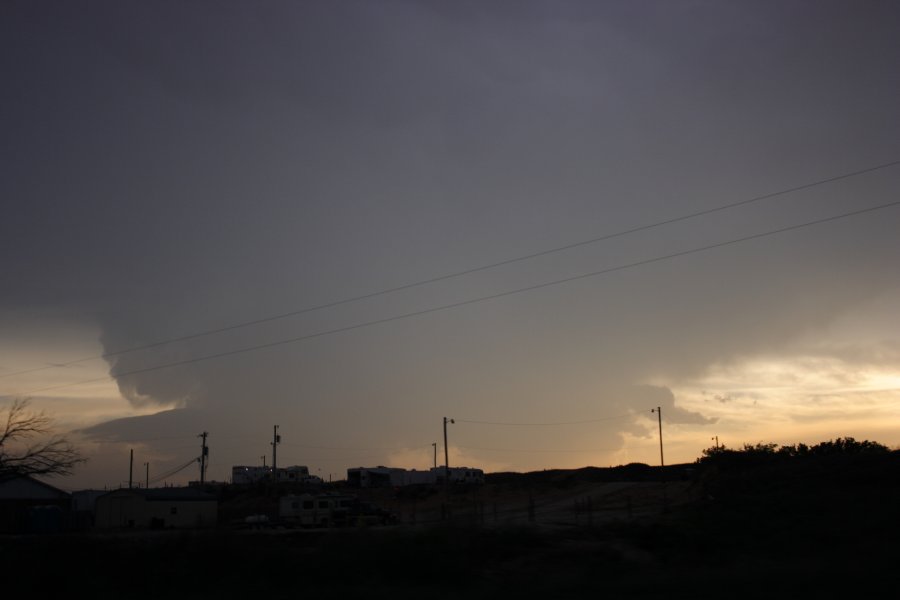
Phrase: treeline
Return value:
(764, 453)
(801, 474)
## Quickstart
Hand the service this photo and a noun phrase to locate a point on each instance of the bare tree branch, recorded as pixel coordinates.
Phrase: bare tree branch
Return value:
(19, 455)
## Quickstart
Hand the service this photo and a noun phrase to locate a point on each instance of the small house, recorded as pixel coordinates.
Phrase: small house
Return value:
(28, 505)
(159, 508)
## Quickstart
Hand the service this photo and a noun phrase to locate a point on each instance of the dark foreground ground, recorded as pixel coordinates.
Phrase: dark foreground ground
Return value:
(809, 528)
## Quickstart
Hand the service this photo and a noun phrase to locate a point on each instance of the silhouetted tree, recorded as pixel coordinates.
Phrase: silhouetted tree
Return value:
(848, 445)
(28, 446)
(748, 455)
(766, 453)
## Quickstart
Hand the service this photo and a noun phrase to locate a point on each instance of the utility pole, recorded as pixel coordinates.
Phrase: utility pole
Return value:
(658, 412)
(147, 476)
(446, 451)
(716, 438)
(276, 439)
(434, 444)
(204, 452)
(130, 468)
(263, 457)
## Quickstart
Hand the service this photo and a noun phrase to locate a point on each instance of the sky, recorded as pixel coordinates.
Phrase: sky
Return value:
(539, 219)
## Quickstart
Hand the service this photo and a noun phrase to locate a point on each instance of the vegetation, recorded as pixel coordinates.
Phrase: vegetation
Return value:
(762, 452)
(28, 446)
(768, 521)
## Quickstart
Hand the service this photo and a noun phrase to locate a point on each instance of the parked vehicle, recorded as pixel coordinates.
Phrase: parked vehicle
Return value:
(314, 510)
(367, 513)
(330, 510)
(257, 521)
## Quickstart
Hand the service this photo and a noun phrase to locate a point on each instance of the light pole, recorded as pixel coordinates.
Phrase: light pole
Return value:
(147, 476)
(434, 444)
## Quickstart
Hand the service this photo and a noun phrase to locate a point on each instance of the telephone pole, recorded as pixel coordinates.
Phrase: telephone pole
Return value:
(130, 468)
(434, 444)
(658, 412)
(446, 451)
(204, 452)
(276, 439)
(147, 476)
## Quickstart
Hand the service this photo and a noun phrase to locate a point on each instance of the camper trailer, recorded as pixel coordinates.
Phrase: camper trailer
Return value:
(315, 510)
(330, 510)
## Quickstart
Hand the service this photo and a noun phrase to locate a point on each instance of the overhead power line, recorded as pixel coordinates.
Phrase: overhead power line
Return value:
(461, 273)
(625, 416)
(174, 471)
(553, 451)
(462, 303)
(382, 449)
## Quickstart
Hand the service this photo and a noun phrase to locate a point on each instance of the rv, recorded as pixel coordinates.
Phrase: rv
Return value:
(459, 475)
(309, 510)
(330, 510)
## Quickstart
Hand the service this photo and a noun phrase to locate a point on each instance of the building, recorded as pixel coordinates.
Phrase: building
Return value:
(395, 477)
(159, 508)
(460, 475)
(295, 474)
(381, 476)
(30, 505)
(244, 475)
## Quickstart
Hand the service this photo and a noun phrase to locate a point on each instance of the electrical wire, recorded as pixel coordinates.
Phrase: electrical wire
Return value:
(174, 471)
(625, 416)
(476, 300)
(536, 451)
(461, 273)
(549, 451)
(355, 449)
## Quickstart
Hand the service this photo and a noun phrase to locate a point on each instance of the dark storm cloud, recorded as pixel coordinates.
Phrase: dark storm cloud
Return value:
(663, 398)
(182, 167)
(178, 423)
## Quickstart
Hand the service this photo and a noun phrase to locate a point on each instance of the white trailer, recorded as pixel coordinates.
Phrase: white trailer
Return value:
(314, 510)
